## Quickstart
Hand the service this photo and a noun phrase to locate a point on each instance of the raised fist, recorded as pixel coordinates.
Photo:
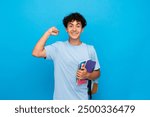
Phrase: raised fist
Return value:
(53, 31)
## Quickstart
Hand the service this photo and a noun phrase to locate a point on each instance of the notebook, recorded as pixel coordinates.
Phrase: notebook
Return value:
(89, 65)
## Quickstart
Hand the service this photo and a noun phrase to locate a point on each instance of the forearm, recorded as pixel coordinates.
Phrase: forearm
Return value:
(94, 75)
(40, 44)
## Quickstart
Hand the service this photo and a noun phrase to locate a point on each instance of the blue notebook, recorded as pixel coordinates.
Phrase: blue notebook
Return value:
(89, 65)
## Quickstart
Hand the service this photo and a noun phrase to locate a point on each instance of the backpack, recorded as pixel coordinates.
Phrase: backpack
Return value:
(92, 85)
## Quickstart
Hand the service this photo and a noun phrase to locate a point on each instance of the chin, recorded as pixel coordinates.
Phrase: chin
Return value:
(74, 37)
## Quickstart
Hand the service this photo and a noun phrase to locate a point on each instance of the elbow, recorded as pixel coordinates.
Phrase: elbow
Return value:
(35, 53)
(38, 53)
(98, 74)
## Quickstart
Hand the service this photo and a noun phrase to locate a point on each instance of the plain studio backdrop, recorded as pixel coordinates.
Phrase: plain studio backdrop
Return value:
(119, 30)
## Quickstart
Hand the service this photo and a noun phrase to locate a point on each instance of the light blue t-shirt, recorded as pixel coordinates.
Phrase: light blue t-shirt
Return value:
(66, 58)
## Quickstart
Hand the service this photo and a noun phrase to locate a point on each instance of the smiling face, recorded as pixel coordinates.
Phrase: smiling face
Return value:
(74, 30)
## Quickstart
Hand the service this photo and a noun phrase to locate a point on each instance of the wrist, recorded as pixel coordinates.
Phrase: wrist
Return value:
(88, 75)
(47, 33)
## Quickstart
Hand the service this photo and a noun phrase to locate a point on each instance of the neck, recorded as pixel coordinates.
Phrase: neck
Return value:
(75, 42)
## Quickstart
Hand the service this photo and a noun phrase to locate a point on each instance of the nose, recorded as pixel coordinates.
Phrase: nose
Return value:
(74, 28)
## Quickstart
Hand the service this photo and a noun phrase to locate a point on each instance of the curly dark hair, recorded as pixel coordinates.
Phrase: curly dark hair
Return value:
(74, 16)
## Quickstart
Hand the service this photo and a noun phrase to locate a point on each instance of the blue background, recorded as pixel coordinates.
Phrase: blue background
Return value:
(119, 30)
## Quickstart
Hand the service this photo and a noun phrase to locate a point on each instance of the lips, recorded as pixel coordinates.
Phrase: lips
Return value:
(74, 33)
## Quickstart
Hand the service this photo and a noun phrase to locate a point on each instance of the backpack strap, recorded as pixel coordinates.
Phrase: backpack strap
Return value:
(89, 89)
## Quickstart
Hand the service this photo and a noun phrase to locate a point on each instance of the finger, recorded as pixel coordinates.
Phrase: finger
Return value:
(80, 71)
(55, 33)
(55, 29)
(79, 78)
(82, 66)
(78, 74)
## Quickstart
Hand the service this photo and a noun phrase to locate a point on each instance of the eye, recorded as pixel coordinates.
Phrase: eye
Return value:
(70, 26)
(78, 26)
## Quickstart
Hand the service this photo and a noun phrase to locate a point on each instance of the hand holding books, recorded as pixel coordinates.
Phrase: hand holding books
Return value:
(85, 67)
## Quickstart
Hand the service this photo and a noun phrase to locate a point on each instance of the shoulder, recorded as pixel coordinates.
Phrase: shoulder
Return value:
(90, 47)
(57, 44)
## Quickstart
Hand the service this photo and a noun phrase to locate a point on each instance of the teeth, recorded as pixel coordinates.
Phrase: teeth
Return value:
(74, 33)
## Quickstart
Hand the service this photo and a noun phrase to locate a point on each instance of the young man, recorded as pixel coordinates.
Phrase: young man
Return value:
(66, 57)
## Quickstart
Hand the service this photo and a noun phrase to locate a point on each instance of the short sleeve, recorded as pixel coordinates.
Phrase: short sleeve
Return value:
(51, 51)
(95, 58)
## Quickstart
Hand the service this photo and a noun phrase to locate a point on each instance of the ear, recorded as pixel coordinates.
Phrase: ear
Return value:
(66, 30)
(82, 30)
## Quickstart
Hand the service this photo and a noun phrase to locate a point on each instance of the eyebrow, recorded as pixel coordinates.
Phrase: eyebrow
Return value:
(78, 23)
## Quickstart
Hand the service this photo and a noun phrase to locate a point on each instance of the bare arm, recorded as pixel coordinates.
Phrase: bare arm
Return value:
(39, 50)
(94, 75)
(81, 74)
